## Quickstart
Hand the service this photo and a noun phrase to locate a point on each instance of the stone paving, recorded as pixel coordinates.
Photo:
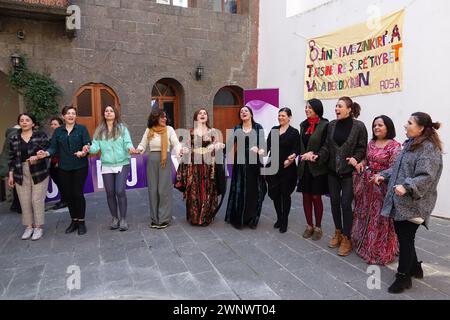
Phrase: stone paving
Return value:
(200, 263)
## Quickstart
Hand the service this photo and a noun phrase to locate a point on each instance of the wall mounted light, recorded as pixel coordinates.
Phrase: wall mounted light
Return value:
(199, 72)
(15, 60)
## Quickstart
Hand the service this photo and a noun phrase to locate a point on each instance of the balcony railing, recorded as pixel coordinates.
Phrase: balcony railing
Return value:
(47, 3)
(35, 9)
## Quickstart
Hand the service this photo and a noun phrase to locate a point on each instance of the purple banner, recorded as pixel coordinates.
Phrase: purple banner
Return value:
(267, 96)
(264, 103)
(137, 177)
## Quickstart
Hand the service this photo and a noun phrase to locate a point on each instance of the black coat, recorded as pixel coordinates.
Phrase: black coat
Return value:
(286, 178)
(355, 146)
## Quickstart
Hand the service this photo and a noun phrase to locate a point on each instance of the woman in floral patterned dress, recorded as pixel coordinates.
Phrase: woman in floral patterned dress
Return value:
(373, 235)
(197, 178)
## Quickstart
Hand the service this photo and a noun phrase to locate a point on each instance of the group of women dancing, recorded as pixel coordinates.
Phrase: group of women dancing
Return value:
(380, 192)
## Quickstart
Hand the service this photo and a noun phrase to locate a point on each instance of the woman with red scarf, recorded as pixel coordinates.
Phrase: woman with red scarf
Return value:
(313, 178)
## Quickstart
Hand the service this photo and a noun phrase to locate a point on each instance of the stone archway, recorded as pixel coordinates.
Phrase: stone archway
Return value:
(167, 94)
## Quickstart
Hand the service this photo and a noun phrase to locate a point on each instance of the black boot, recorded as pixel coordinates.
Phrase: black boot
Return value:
(284, 224)
(81, 228)
(417, 271)
(401, 283)
(72, 227)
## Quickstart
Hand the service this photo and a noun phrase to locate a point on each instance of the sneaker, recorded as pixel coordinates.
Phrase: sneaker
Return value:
(309, 231)
(37, 234)
(153, 225)
(27, 234)
(123, 225)
(114, 224)
(163, 225)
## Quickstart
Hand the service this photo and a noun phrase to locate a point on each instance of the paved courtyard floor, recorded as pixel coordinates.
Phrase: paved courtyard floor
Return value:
(200, 263)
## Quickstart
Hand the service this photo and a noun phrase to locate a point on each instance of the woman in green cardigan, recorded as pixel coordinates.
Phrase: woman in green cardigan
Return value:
(313, 178)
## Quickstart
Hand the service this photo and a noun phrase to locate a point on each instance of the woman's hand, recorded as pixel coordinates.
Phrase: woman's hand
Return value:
(132, 150)
(183, 151)
(292, 157)
(377, 179)
(33, 159)
(310, 156)
(360, 167)
(352, 161)
(254, 149)
(86, 148)
(11, 180)
(41, 154)
(219, 145)
(400, 190)
(79, 154)
(287, 163)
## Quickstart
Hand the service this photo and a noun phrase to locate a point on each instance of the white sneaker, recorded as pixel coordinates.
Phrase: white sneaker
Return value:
(27, 234)
(37, 234)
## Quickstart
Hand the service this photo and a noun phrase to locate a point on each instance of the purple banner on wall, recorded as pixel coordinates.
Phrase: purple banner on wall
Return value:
(137, 177)
(264, 103)
(270, 96)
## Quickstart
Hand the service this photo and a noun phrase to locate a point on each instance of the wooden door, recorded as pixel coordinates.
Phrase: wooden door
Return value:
(164, 95)
(226, 117)
(227, 103)
(91, 101)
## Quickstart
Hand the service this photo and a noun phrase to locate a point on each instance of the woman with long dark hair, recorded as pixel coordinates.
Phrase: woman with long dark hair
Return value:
(373, 235)
(248, 188)
(412, 192)
(113, 140)
(197, 178)
(160, 138)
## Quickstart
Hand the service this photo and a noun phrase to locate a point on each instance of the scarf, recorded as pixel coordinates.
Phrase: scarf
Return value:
(312, 125)
(162, 131)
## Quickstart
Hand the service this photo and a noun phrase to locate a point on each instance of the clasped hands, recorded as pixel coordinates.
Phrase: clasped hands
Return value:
(260, 152)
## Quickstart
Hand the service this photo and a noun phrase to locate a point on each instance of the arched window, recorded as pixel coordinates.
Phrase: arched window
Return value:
(166, 96)
(91, 101)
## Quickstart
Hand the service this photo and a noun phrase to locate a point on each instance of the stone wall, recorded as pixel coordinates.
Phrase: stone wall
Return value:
(130, 44)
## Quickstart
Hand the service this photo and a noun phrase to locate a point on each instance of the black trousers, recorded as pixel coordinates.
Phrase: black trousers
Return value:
(72, 190)
(282, 205)
(54, 174)
(341, 194)
(406, 234)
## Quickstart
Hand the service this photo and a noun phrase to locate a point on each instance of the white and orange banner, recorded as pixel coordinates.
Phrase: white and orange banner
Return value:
(364, 59)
